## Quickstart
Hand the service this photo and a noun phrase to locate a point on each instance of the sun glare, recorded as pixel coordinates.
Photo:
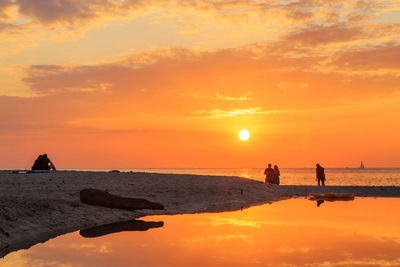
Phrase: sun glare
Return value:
(244, 135)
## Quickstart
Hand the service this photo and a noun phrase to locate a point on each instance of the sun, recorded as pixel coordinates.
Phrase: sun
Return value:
(244, 135)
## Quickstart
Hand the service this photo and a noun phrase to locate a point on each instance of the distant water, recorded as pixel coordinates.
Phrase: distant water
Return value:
(303, 176)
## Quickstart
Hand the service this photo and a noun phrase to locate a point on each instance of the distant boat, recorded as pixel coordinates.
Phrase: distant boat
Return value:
(362, 165)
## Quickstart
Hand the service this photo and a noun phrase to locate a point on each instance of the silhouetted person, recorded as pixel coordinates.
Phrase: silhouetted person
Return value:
(43, 163)
(277, 174)
(320, 174)
(37, 165)
(269, 174)
(49, 164)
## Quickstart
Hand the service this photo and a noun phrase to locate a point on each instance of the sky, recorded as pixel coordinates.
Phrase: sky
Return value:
(169, 84)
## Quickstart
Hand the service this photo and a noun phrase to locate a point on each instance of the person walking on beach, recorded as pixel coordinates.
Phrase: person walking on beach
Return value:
(269, 174)
(320, 174)
(277, 174)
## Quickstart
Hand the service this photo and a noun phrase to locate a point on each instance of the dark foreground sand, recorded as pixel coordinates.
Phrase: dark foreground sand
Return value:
(36, 207)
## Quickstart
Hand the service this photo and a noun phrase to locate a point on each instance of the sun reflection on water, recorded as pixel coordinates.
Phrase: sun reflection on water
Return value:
(292, 232)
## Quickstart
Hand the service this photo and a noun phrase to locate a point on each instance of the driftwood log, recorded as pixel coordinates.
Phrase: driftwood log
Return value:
(132, 225)
(105, 199)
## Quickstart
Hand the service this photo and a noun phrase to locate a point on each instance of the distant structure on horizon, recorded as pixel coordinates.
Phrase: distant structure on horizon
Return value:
(362, 165)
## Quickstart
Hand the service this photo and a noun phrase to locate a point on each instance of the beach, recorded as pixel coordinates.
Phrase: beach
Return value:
(38, 206)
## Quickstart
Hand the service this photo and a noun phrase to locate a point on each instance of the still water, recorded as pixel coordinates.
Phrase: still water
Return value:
(295, 232)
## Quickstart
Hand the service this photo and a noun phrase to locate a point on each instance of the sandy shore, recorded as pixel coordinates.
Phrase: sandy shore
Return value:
(36, 207)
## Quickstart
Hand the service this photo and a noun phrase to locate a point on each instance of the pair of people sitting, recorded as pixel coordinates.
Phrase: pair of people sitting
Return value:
(272, 175)
(43, 163)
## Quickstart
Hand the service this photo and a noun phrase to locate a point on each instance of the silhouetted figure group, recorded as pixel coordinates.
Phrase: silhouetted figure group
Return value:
(272, 175)
(43, 163)
(320, 175)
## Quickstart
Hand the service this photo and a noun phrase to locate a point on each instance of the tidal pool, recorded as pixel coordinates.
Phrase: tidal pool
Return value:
(294, 232)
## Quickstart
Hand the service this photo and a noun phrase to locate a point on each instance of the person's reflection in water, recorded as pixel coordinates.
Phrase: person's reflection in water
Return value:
(319, 202)
(131, 225)
(320, 175)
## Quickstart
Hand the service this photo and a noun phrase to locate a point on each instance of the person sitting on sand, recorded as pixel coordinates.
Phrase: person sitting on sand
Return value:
(320, 174)
(43, 163)
(277, 174)
(269, 174)
(38, 164)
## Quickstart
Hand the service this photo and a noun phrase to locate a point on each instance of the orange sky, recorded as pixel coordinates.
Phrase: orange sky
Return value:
(127, 83)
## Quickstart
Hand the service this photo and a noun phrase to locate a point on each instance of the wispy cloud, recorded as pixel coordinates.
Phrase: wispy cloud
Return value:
(246, 97)
(219, 96)
(78, 15)
(268, 71)
(314, 34)
(218, 114)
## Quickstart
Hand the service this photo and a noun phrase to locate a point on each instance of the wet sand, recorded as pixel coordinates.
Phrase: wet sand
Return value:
(36, 207)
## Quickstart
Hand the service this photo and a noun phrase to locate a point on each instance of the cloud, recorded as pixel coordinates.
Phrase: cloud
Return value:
(71, 17)
(226, 74)
(67, 11)
(54, 79)
(218, 96)
(73, 14)
(218, 114)
(176, 84)
(4, 7)
(232, 98)
(385, 56)
(11, 28)
(312, 34)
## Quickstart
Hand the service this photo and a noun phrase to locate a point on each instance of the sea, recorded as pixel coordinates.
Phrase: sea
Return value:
(289, 176)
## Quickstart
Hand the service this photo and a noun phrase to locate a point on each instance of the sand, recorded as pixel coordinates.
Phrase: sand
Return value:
(36, 207)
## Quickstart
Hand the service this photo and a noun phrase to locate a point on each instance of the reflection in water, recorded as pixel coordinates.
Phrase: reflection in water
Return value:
(319, 202)
(131, 225)
(363, 232)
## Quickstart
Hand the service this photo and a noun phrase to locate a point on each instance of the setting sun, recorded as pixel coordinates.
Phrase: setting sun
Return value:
(244, 135)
